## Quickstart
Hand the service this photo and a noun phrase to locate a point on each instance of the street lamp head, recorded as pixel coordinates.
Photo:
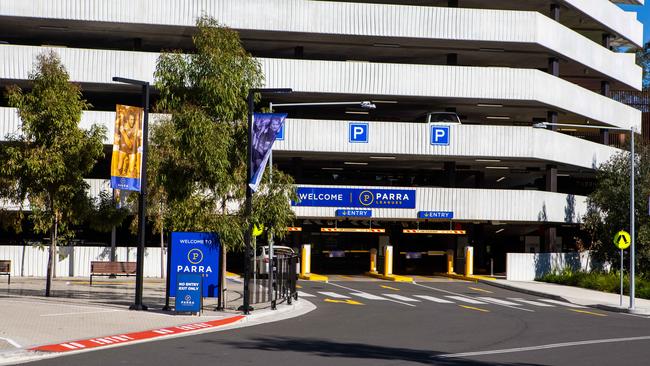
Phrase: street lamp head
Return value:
(368, 105)
(540, 125)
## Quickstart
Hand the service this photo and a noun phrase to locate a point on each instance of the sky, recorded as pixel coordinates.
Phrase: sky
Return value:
(643, 16)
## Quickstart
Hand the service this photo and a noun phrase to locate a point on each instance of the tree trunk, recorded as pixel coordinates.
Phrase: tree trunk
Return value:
(50, 259)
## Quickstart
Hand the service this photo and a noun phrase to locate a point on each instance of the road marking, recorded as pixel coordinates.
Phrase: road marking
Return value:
(388, 287)
(473, 308)
(368, 296)
(465, 299)
(401, 298)
(480, 290)
(349, 302)
(587, 312)
(298, 286)
(11, 342)
(499, 301)
(353, 290)
(304, 294)
(334, 295)
(434, 299)
(544, 346)
(469, 297)
(84, 312)
(563, 303)
(531, 302)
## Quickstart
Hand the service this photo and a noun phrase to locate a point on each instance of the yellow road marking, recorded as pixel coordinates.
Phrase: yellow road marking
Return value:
(587, 312)
(349, 302)
(388, 287)
(481, 290)
(473, 308)
(298, 286)
(347, 277)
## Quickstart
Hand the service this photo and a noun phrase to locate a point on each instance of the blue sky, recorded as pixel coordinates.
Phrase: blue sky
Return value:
(644, 17)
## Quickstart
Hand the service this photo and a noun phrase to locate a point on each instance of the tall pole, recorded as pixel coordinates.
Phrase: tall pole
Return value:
(632, 218)
(271, 243)
(249, 207)
(142, 205)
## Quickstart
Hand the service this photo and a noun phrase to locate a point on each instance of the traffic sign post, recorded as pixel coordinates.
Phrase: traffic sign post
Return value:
(622, 240)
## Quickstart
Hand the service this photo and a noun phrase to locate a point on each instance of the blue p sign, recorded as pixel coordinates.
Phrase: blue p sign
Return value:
(439, 135)
(358, 132)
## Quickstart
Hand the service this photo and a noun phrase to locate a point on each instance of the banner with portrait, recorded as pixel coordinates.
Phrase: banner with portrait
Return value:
(127, 148)
(266, 127)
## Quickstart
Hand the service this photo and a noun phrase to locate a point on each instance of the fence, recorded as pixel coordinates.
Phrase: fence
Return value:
(31, 261)
(285, 276)
(529, 266)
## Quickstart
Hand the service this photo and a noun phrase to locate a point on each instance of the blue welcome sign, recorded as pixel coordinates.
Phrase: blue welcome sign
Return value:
(198, 254)
(355, 197)
(188, 293)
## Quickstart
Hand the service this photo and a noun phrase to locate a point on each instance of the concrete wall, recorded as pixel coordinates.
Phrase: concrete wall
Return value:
(529, 266)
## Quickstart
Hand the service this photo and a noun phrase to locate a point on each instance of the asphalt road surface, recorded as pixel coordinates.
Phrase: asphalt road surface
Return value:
(384, 323)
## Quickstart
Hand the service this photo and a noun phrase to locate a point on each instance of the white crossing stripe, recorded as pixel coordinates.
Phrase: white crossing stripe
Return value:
(334, 295)
(499, 301)
(434, 299)
(368, 296)
(304, 294)
(77, 345)
(68, 346)
(531, 302)
(465, 299)
(567, 304)
(401, 298)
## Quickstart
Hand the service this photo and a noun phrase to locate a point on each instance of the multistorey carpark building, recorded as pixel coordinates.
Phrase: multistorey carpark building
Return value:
(371, 177)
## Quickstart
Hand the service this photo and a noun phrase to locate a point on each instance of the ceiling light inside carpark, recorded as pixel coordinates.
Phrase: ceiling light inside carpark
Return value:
(497, 167)
(354, 163)
(489, 105)
(488, 160)
(568, 129)
(498, 231)
(498, 117)
(332, 168)
(383, 157)
(385, 101)
(501, 179)
(486, 49)
(386, 45)
(563, 174)
(357, 112)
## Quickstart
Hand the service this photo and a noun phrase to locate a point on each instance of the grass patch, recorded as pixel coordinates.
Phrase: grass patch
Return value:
(600, 281)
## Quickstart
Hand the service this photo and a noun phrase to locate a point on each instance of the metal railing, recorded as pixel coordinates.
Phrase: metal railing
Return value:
(285, 277)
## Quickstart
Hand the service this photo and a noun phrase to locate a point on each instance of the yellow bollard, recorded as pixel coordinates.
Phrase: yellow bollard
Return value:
(373, 260)
(450, 261)
(388, 260)
(469, 261)
(305, 263)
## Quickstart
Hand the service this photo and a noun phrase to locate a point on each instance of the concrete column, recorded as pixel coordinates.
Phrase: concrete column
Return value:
(550, 234)
(554, 66)
(604, 88)
(604, 134)
(606, 40)
(555, 12)
(551, 117)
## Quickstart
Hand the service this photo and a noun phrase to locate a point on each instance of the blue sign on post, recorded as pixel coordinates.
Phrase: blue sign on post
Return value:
(188, 293)
(435, 214)
(279, 136)
(353, 213)
(355, 197)
(196, 253)
(358, 132)
(439, 135)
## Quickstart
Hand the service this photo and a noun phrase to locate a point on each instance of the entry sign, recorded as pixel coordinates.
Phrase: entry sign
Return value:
(622, 240)
(439, 135)
(197, 254)
(435, 215)
(188, 293)
(353, 213)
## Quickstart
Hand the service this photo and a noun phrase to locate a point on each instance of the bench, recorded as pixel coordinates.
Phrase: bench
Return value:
(99, 268)
(5, 269)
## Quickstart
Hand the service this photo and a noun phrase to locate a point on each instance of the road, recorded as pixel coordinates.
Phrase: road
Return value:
(450, 323)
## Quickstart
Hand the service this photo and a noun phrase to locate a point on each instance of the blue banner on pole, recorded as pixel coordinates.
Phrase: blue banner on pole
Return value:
(266, 127)
(188, 292)
(196, 253)
(355, 197)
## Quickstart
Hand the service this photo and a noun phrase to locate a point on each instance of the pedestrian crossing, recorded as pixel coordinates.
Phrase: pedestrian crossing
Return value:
(442, 299)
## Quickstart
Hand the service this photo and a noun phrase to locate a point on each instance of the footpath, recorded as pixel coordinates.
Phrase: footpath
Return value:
(575, 295)
(79, 317)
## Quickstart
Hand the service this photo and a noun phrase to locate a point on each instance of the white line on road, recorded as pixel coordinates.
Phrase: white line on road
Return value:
(334, 295)
(368, 296)
(531, 302)
(353, 290)
(465, 299)
(544, 346)
(304, 294)
(499, 301)
(434, 299)
(401, 298)
(11, 342)
(469, 297)
(563, 303)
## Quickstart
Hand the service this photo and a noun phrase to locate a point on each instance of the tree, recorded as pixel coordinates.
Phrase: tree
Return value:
(609, 207)
(49, 157)
(643, 60)
(197, 161)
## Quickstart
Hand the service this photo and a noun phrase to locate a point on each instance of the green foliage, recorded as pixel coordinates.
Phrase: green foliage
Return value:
(106, 214)
(643, 60)
(600, 281)
(197, 158)
(609, 207)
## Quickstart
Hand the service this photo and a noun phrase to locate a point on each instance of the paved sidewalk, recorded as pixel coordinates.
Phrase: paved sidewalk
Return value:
(575, 295)
(77, 311)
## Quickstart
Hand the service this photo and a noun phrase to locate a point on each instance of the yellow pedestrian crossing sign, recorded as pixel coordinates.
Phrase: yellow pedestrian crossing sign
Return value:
(622, 240)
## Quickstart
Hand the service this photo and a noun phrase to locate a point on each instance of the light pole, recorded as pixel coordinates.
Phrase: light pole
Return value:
(632, 213)
(142, 204)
